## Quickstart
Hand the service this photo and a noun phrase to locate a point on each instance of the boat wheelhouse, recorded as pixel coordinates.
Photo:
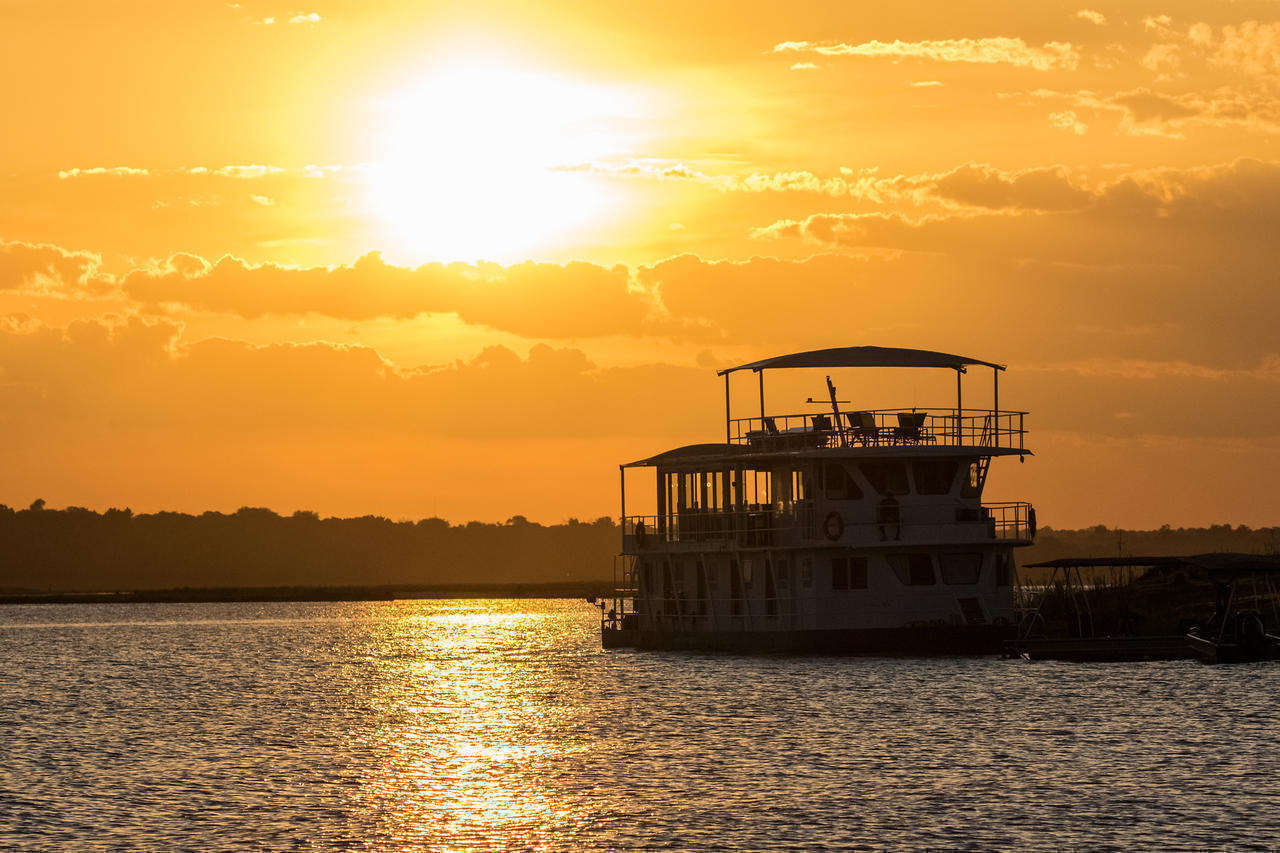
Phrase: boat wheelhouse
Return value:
(836, 530)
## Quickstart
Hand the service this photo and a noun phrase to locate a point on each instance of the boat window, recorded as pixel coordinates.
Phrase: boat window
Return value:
(962, 568)
(735, 588)
(886, 477)
(806, 572)
(838, 483)
(934, 476)
(702, 588)
(668, 590)
(913, 569)
(1004, 569)
(848, 572)
(770, 591)
(799, 484)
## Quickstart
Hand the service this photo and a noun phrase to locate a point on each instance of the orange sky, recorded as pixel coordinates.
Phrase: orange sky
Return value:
(417, 258)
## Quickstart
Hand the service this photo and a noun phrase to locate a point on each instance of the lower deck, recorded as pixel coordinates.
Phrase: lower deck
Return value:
(906, 641)
(920, 600)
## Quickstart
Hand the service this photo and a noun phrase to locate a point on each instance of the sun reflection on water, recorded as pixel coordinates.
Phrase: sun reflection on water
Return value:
(468, 725)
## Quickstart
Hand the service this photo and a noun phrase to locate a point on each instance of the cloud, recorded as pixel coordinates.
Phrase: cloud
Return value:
(945, 188)
(39, 267)
(573, 300)
(1148, 112)
(804, 66)
(309, 18)
(262, 200)
(114, 171)
(922, 84)
(1092, 17)
(247, 172)
(1250, 49)
(1067, 120)
(1189, 217)
(989, 51)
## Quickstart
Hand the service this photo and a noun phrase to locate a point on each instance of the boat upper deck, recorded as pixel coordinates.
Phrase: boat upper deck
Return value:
(990, 431)
(979, 429)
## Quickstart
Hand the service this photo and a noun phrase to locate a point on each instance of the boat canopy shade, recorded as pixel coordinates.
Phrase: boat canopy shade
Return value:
(688, 453)
(1227, 565)
(864, 357)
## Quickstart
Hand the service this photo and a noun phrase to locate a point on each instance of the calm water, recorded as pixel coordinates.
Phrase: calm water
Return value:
(501, 724)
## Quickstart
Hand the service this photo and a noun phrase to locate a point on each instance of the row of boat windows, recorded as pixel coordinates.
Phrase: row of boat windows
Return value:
(837, 481)
(959, 568)
(956, 569)
(840, 481)
(919, 570)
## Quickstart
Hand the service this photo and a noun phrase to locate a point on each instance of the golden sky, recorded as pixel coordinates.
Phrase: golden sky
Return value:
(415, 258)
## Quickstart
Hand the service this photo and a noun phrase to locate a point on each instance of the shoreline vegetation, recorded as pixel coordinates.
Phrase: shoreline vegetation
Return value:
(179, 595)
(254, 554)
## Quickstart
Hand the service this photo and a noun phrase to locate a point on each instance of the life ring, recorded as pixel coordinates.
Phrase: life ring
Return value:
(833, 526)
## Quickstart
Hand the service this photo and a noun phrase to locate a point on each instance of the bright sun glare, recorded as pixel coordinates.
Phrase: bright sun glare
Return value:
(472, 161)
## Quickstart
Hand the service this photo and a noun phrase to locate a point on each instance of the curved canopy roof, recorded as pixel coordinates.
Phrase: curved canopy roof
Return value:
(1215, 564)
(864, 357)
(688, 453)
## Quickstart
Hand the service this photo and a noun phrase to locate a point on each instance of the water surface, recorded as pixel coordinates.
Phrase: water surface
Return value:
(502, 724)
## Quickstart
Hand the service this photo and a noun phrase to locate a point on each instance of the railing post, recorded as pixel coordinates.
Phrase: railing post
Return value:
(727, 439)
(760, 373)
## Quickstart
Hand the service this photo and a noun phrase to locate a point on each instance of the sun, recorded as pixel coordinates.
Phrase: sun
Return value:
(481, 159)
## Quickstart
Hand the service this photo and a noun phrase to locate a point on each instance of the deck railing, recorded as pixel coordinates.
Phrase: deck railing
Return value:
(765, 527)
(882, 428)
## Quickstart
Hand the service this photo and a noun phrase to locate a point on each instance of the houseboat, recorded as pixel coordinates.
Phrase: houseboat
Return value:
(840, 530)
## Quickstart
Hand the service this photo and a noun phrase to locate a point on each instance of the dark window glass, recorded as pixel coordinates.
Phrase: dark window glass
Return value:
(702, 588)
(913, 569)
(839, 573)
(770, 591)
(1004, 570)
(934, 476)
(839, 483)
(668, 590)
(964, 568)
(735, 588)
(857, 573)
(886, 477)
(921, 570)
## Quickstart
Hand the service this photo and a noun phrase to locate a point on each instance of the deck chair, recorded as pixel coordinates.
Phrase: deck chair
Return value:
(910, 428)
(821, 432)
(863, 425)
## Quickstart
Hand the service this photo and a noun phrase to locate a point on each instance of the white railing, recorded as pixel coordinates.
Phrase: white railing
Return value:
(882, 428)
(763, 527)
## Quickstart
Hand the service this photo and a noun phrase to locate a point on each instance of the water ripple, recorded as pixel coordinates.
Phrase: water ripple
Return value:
(503, 725)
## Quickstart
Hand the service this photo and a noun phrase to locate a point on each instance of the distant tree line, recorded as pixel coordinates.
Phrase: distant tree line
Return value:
(44, 550)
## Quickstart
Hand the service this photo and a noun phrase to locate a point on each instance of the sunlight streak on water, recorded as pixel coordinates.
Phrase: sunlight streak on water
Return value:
(502, 724)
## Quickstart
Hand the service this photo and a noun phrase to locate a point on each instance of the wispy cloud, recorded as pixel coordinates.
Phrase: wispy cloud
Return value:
(987, 51)
(1067, 120)
(116, 171)
(1092, 17)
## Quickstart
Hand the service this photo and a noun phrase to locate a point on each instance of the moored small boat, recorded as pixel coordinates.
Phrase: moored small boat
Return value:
(1246, 641)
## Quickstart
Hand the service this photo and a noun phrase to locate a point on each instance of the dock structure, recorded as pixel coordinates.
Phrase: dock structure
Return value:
(1215, 607)
(838, 529)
